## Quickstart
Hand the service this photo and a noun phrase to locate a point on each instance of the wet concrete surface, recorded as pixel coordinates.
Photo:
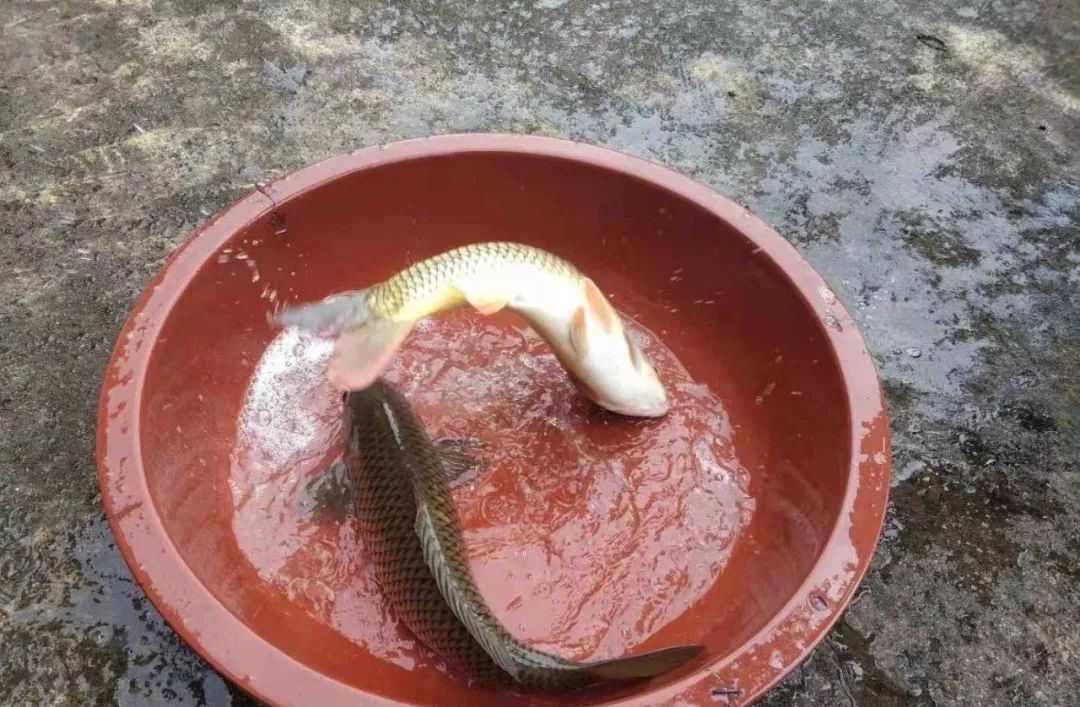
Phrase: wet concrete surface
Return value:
(918, 153)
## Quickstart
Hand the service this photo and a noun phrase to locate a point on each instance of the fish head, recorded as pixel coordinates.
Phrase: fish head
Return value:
(609, 365)
(620, 377)
(615, 373)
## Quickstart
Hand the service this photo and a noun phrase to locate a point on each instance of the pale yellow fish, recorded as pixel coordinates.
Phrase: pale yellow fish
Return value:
(562, 304)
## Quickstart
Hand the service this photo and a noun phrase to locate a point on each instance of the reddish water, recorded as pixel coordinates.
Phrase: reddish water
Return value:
(587, 532)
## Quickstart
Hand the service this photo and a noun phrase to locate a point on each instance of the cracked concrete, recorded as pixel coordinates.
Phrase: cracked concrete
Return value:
(916, 152)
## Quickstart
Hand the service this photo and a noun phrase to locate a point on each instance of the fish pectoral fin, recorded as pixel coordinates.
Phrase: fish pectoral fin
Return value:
(328, 494)
(460, 593)
(579, 332)
(645, 665)
(363, 353)
(598, 307)
(593, 317)
(482, 294)
(487, 305)
(456, 458)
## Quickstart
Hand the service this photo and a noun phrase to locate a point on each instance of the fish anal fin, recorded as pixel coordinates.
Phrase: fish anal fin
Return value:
(599, 308)
(363, 353)
(645, 665)
(579, 332)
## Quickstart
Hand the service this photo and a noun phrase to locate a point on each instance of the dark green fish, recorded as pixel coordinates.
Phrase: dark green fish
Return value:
(411, 531)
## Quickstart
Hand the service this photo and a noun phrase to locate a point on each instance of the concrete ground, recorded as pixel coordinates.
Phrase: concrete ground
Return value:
(917, 152)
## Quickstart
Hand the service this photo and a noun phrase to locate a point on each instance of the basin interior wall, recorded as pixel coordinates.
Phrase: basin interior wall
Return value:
(736, 324)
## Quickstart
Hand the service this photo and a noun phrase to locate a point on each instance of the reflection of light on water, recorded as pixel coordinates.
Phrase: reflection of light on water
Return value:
(293, 356)
(587, 535)
(278, 435)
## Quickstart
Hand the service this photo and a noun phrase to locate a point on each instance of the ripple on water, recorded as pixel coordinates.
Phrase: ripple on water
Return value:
(587, 532)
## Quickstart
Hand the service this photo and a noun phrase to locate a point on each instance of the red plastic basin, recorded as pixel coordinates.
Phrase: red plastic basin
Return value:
(743, 520)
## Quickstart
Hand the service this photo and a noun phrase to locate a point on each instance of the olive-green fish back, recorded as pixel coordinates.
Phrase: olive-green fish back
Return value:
(412, 532)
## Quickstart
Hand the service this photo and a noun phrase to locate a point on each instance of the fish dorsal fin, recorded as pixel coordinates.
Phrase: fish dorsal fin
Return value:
(459, 592)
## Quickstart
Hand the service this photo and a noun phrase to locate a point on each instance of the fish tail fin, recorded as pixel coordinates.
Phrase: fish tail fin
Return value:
(645, 665)
(361, 354)
(327, 317)
(364, 343)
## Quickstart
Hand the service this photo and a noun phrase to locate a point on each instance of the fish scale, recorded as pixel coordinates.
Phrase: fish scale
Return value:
(384, 474)
(426, 278)
(411, 530)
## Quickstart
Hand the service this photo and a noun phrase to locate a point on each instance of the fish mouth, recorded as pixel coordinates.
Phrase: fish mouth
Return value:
(647, 408)
(654, 409)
